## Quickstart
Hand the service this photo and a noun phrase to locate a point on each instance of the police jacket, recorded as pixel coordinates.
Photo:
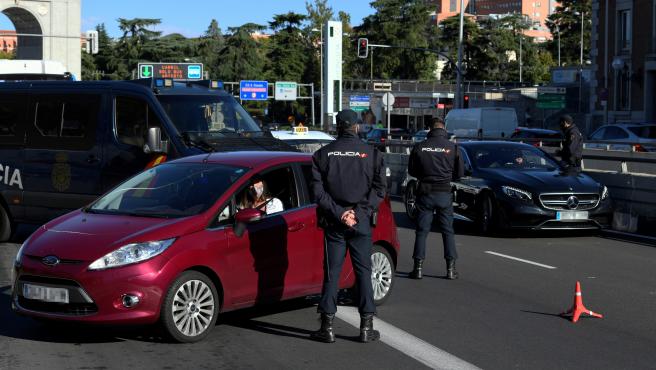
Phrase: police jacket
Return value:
(347, 174)
(572, 151)
(435, 162)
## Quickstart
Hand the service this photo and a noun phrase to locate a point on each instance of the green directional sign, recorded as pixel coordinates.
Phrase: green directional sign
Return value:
(551, 101)
(145, 71)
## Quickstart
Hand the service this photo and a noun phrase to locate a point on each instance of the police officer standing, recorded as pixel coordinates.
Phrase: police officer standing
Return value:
(435, 162)
(348, 184)
(572, 145)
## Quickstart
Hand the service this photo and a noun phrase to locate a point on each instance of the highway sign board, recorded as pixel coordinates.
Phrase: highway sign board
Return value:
(551, 90)
(359, 103)
(176, 71)
(253, 90)
(382, 86)
(286, 90)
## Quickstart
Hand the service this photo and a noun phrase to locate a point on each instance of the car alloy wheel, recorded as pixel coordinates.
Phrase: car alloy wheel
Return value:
(382, 274)
(190, 308)
(486, 215)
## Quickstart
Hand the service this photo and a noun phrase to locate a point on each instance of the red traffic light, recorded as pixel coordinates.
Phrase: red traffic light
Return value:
(363, 48)
(465, 101)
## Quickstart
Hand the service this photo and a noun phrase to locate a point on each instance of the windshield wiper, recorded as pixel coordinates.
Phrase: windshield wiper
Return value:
(200, 144)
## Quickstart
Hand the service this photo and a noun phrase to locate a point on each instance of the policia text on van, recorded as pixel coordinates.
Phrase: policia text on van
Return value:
(64, 143)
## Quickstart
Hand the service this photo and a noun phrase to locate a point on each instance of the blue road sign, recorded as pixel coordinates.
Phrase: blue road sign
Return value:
(194, 71)
(254, 90)
(360, 98)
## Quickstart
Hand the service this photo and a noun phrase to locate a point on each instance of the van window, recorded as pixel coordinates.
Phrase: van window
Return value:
(13, 110)
(64, 121)
(133, 119)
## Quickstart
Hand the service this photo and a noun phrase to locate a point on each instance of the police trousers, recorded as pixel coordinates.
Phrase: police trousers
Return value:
(357, 240)
(427, 204)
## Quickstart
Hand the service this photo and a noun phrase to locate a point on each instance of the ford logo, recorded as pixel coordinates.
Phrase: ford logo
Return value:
(572, 202)
(50, 260)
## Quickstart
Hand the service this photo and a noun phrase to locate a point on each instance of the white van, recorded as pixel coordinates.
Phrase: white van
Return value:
(15, 69)
(490, 122)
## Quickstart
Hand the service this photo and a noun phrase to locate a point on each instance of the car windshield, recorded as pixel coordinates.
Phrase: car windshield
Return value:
(169, 191)
(207, 114)
(645, 132)
(511, 158)
(308, 146)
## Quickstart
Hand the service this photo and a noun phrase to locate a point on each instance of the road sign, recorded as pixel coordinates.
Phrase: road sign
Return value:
(360, 103)
(551, 90)
(388, 99)
(286, 90)
(551, 101)
(176, 71)
(382, 86)
(254, 90)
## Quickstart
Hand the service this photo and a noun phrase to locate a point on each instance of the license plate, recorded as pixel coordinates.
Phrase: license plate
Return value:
(46, 294)
(571, 215)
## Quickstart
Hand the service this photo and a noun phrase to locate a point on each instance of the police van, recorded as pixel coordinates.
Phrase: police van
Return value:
(63, 143)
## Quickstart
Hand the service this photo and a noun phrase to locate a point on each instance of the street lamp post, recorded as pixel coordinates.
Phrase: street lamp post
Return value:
(582, 13)
(459, 75)
(558, 31)
(321, 73)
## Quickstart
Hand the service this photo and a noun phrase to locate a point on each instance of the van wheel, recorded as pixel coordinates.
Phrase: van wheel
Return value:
(190, 308)
(382, 274)
(5, 225)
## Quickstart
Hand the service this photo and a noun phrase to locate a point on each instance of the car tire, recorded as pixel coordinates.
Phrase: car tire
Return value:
(410, 200)
(5, 225)
(382, 274)
(486, 214)
(188, 313)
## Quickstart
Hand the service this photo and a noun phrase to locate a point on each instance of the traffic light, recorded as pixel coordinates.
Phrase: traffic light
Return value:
(363, 48)
(465, 101)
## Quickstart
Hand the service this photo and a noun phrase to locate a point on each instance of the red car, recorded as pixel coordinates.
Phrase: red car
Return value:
(172, 244)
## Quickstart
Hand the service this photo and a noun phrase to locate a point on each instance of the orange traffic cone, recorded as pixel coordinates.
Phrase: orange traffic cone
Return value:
(578, 308)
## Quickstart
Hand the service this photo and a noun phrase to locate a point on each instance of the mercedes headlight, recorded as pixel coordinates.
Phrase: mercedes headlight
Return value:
(517, 193)
(604, 193)
(131, 253)
(19, 255)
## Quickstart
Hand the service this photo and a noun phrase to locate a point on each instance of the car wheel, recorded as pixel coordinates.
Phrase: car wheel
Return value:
(5, 225)
(410, 200)
(382, 274)
(486, 215)
(190, 308)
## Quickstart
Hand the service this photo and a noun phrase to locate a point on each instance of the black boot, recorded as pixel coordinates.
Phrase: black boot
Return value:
(325, 333)
(367, 332)
(451, 272)
(416, 271)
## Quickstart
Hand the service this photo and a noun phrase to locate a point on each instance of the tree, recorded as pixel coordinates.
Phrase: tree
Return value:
(402, 23)
(209, 46)
(289, 51)
(566, 20)
(136, 34)
(240, 58)
(448, 39)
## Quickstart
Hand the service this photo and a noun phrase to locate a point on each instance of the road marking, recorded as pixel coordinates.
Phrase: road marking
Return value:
(521, 260)
(408, 344)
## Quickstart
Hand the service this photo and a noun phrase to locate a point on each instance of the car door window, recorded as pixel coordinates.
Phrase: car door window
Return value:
(280, 192)
(13, 114)
(615, 133)
(598, 135)
(133, 117)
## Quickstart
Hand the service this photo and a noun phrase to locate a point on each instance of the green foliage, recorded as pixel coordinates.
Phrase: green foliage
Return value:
(7, 54)
(241, 58)
(567, 20)
(289, 52)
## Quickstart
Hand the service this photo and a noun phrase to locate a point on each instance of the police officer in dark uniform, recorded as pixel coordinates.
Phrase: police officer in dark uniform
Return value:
(572, 145)
(348, 184)
(435, 162)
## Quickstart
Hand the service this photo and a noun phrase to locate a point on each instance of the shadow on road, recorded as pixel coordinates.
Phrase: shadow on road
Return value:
(552, 314)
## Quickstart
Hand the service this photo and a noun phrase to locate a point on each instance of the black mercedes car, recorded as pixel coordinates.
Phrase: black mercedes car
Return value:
(513, 185)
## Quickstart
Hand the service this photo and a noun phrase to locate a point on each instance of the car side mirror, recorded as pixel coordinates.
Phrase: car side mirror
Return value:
(245, 217)
(154, 142)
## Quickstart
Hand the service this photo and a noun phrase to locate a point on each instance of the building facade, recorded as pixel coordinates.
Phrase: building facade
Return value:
(8, 40)
(624, 61)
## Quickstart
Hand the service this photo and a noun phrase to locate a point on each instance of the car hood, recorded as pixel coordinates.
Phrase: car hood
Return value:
(87, 237)
(537, 181)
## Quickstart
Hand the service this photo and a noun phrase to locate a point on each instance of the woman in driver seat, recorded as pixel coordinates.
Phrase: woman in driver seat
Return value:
(257, 196)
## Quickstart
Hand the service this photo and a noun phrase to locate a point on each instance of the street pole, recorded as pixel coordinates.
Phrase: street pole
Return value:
(459, 75)
(581, 65)
(606, 63)
(558, 30)
(321, 43)
(314, 119)
(371, 67)
(520, 58)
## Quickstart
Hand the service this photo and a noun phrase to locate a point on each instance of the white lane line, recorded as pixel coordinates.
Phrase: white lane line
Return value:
(408, 344)
(521, 260)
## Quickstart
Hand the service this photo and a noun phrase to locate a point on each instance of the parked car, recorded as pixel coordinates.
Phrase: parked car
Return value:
(630, 137)
(482, 123)
(378, 136)
(303, 139)
(174, 245)
(517, 186)
(537, 136)
(63, 143)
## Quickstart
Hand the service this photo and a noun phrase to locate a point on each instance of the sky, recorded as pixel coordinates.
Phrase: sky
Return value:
(192, 17)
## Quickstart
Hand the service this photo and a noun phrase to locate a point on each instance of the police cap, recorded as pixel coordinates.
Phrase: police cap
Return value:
(566, 118)
(347, 118)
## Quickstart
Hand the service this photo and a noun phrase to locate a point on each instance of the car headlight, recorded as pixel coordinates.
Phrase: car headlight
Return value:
(19, 255)
(517, 193)
(604, 193)
(131, 253)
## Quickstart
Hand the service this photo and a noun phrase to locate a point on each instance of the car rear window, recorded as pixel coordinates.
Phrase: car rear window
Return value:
(645, 132)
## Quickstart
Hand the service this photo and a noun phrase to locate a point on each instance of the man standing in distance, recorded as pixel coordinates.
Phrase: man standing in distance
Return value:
(348, 184)
(572, 145)
(435, 162)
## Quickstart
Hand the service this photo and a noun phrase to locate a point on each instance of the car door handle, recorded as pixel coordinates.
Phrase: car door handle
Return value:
(92, 159)
(296, 227)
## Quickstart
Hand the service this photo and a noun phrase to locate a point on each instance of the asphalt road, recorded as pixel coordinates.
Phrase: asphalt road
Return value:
(501, 314)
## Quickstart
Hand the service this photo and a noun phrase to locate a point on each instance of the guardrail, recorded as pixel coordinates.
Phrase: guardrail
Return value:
(629, 175)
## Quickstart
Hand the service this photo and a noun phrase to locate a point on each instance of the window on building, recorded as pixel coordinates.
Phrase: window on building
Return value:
(453, 6)
(624, 30)
(623, 99)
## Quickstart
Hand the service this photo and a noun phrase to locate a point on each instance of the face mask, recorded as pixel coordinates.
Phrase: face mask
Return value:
(258, 190)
